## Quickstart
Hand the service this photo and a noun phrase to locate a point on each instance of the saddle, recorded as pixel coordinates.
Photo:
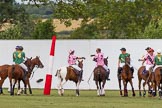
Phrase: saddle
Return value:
(144, 71)
(75, 70)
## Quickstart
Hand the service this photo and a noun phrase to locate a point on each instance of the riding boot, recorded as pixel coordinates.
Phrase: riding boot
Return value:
(132, 70)
(107, 74)
(81, 75)
(119, 72)
(25, 74)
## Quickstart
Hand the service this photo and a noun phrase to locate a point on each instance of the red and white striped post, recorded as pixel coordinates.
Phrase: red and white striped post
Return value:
(47, 88)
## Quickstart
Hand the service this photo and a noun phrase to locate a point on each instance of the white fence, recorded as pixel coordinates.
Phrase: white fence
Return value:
(111, 48)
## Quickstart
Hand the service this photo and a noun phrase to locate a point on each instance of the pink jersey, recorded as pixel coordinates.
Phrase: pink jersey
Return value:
(100, 59)
(72, 59)
(147, 61)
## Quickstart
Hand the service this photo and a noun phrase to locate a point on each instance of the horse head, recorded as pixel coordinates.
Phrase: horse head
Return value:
(80, 63)
(37, 62)
(28, 62)
(127, 60)
(106, 61)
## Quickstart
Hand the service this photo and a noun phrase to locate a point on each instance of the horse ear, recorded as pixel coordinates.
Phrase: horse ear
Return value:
(37, 56)
(30, 58)
(107, 57)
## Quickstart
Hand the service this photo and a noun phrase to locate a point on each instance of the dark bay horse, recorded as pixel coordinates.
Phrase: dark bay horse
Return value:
(100, 78)
(126, 76)
(68, 73)
(143, 76)
(3, 76)
(16, 73)
(157, 81)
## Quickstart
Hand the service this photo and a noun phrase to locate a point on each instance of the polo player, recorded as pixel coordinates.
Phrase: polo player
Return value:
(72, 62)
(158, 60)
(121, 62)
(99, 59)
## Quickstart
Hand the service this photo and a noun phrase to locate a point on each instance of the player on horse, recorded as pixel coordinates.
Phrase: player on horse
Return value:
(18, 58)
(157, 74)
(72, 62)
(149, 62)
(121, 62)
(158, 60)
(143, 74)
(99, 59)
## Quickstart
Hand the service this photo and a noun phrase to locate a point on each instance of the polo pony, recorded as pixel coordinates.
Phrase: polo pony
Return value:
(16, 73)
(126, 76)
(157, 81)
(69, 73)
(143, 75)
(3, 76)
(100, 77)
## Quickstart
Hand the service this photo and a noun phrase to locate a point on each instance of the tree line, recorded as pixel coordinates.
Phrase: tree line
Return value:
(102, 19)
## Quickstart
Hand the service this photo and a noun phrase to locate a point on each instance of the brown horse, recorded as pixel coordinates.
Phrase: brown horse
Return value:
(157, 81)
(16, 73)
(143, 76)
(35, 62)
(3, 76)
(126, 76)
(100, 77)
(69, 73)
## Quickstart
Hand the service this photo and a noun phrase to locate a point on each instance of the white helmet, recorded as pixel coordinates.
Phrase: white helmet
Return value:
(70, 51)
(159, 51)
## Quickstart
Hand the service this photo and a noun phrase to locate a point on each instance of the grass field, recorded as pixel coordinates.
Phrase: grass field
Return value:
(87, 99)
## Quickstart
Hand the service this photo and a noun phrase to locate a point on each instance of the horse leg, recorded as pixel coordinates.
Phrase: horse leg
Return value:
(159, 88)
(59, 86)
(77, 88)
(12, 82)
(126, 90)
(98, 92)
(119, 80)
(1, 82)
(131, 83)
(149, 89)
(25, 83)
(15, 81)
(61, 90)
(19, 91)
(144, 90)
(124, 83)
(139, 86)
(154, 89)
(100, 88)
(103, 89)
(28, 83)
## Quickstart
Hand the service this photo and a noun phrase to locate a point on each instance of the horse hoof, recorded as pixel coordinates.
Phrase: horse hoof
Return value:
(102, 95)
(134, 95)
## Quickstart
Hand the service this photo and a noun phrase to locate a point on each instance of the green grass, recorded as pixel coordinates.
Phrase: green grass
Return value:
(87, 99)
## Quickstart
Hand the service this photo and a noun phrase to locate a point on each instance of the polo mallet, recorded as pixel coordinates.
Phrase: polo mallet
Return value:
(89, 80)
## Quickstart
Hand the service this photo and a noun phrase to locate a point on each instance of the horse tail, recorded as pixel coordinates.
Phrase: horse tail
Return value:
(13, 68)
(98, 76)
(57, 72)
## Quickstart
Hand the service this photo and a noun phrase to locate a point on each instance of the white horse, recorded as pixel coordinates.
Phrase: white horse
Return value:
(68, 73)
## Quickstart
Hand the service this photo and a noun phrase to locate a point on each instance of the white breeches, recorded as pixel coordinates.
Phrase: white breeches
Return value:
(24, 66)
(76, 67)
(106, 67)
(156, 67)
(122, 64)
(148, 67)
